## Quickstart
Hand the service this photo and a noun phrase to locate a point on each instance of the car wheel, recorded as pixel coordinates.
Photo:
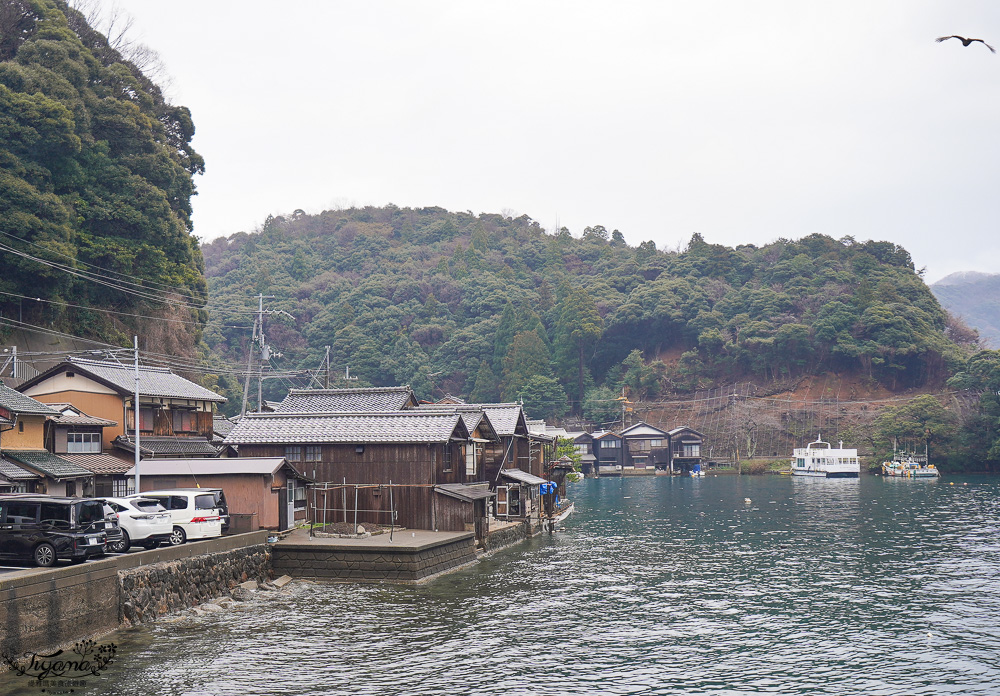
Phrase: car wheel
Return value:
(121, 546)
(45, 555)
(177, 537)
(77, 561)
(150, 545)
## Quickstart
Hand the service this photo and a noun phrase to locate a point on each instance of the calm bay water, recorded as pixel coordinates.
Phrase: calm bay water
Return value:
(656, 586)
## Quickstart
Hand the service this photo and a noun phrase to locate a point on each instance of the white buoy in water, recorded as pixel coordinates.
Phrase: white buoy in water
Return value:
(746, 500)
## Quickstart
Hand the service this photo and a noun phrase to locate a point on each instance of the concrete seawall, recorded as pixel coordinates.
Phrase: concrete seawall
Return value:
(410, 557)
(44, 609)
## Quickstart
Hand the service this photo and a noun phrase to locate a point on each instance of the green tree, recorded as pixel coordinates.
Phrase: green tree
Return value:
(543, 397)
(577, 331)
(528, 357)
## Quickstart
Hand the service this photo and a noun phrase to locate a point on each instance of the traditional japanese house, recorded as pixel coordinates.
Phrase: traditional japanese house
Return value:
(685, 448)
(170, 407)
(584, 444)
(27, 466)
(78, 438)
(359, 454)
(645, 447)
(267, 491)
(516, 447)
(608, 451)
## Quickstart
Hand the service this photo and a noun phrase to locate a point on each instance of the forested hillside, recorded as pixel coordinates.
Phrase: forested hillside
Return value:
(492, 307)
(95, 186)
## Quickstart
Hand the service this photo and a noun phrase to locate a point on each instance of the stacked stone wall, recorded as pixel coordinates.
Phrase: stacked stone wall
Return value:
(151, 591)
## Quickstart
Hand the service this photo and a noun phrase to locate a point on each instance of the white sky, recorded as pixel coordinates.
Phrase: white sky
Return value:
(743, 121)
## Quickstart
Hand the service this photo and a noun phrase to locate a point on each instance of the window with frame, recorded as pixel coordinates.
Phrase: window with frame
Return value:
(314, 453)
(184, 421)
(692, 450)
(293, 453)
(611, 444)
(656, 443)
(145, 419)
(83, 443)
(470, 459)
(583, 448)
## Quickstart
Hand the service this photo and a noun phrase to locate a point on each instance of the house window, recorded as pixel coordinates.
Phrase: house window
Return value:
(447, 459)
(293, 453)
(20, 426)
(145, 418)
(583, 448)
(692, 450)
(470, 459)
(184, 421)
(120, 487)
(611, 444)
(656, 443)
(83, 443)
(314, 453)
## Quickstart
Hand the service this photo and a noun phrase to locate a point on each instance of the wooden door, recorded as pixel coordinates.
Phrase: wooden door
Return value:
(502, 507)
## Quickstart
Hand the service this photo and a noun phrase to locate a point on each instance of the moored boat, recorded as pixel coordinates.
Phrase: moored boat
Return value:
(818, 459)
(909, 467)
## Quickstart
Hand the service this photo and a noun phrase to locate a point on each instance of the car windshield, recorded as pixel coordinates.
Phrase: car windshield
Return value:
(148, 505)
(205, 502)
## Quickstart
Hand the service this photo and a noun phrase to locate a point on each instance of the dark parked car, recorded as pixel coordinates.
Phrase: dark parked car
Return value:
(43, 528)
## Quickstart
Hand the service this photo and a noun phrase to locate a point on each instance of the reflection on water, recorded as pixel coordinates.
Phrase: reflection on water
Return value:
(657, 586)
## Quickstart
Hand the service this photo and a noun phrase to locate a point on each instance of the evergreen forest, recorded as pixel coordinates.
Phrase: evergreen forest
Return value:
(96, 180)
(493, 307)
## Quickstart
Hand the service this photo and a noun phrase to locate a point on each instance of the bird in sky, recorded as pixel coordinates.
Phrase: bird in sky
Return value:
(965, 41)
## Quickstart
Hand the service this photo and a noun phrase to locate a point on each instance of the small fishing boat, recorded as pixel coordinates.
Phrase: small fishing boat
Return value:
(909, 466)
(820, 460)
(696, 470)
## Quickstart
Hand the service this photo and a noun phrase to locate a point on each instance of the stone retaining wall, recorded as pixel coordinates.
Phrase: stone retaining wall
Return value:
(361, 563)
(508, 536)
(41, 610)
(151, 591)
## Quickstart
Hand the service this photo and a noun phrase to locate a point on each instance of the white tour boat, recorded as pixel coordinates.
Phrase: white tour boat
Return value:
(820, 460)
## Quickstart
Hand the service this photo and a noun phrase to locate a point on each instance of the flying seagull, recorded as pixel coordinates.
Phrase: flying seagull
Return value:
(965, 41)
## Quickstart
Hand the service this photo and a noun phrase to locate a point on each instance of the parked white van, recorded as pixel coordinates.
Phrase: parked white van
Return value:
(196, 513)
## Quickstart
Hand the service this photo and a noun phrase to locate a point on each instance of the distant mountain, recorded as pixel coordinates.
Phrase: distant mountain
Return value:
(490, 307)
(975, 297)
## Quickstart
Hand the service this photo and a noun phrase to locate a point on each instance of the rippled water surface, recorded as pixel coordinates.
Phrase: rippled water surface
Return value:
(656, 586)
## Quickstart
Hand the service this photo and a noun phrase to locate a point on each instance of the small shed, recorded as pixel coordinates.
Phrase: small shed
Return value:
(517, 494)
(462, 507)
(268, 487)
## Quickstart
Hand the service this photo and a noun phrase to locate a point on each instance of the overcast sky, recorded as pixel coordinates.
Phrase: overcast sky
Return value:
(742, 121)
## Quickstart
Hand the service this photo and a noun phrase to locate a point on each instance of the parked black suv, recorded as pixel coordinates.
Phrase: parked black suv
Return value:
(42, 528)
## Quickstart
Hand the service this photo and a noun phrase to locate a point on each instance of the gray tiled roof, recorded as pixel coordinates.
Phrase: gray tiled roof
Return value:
(74, 419)
(164, 445)
(473, 417)
(104, 464)
(153, 381)
(221, 425)
(12, 472)
(504, 417)
(395, 426)
(16, 402)
(367, 399)
(47, 463)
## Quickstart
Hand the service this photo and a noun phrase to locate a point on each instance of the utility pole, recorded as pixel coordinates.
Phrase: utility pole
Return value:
(257, 343)
(326, 379)
(135, 344)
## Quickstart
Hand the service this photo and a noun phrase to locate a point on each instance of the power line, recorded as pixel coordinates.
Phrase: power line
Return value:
(111, 311)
